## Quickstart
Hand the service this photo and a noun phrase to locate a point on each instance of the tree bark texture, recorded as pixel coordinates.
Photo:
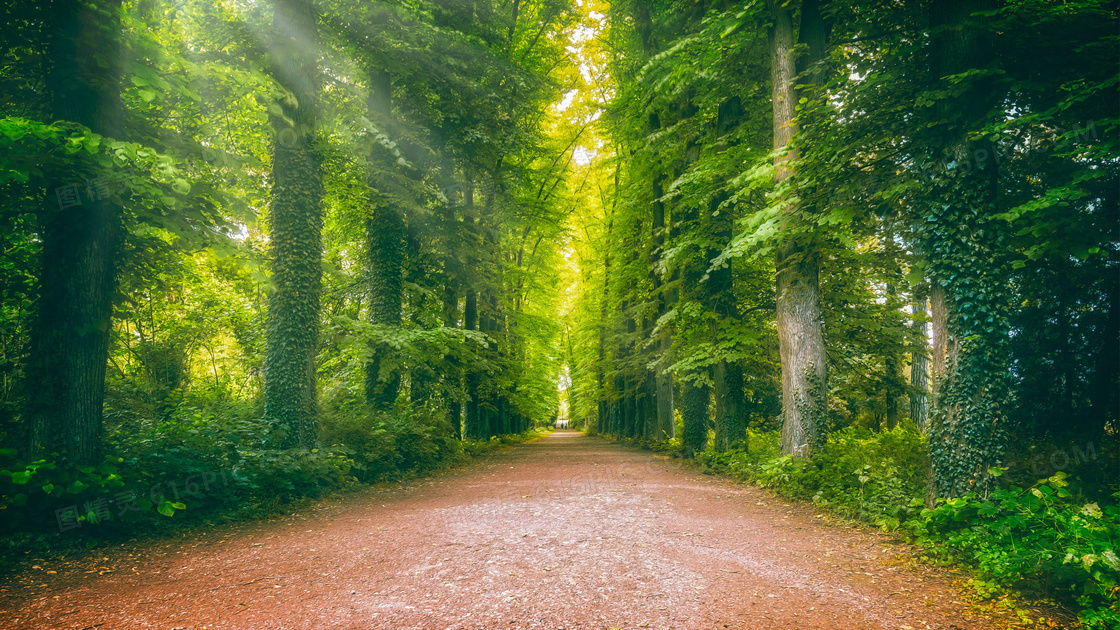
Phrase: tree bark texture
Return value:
(731, 421)
(80, 239)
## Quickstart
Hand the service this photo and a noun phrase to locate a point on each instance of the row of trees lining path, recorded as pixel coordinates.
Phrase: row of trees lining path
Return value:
(818, 215)
(862, 252)
(386, 175)
(328, 217)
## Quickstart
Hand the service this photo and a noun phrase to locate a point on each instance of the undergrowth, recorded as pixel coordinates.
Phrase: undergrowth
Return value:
(209, 461)
(1045, 539)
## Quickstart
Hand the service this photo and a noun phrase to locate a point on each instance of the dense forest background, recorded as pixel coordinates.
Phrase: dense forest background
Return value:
(865, 253)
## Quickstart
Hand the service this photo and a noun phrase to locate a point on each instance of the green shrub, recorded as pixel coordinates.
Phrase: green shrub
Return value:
(860, 474)
(30, 492)
(293, 472)
(383, 444)
(1041, 539)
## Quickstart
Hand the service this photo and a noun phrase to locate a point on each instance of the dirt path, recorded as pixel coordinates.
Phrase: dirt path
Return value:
(569, 532)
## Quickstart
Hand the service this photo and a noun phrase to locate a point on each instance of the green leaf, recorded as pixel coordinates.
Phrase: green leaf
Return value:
(1092, 510)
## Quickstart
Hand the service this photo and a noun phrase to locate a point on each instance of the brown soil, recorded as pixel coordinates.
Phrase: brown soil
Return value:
(569, 532)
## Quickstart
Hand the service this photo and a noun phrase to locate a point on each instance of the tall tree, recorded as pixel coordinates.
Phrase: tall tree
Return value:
(385, 242)
(968, 263)
(295, 220)
(800, 319)
(727, 374)
(80, 232)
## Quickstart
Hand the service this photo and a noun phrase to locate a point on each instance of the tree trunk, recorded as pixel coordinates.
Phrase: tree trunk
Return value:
(694, 411)
(944, 349)
(731, 424)
(629, 385)
(802, 351)
(892, 385)
(666, 427)
(421, 376)
(385, 241)
(472, 425)
(919, 365)
(295, 234)
(649, 407)
(970, 303)
(1105, 409)
(799, 317)
(451, 320)
(80, 236)
(663, 425)
(603, 407)
(385, 232)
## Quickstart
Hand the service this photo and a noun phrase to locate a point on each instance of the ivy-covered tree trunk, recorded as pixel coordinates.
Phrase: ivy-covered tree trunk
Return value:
(295, 221)
(385, 238)
(799, 316)
(421, 377)
(694, 412)
(967, 251)
(727, 376)
(80, 232)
